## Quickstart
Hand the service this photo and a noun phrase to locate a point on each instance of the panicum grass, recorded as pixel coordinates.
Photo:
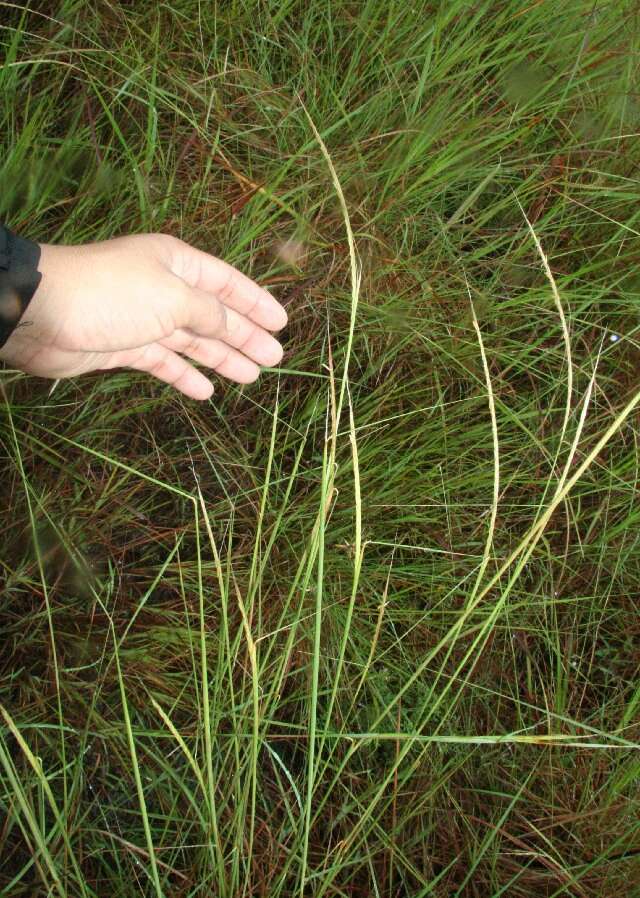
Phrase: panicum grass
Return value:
(368, 626)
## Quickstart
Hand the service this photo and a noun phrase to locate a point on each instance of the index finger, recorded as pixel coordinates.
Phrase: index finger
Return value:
(236, 290)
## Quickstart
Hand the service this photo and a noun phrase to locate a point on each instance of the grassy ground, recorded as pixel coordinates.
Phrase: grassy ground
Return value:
(368, 627)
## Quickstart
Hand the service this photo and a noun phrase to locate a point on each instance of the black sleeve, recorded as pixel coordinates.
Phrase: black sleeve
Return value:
(19, 279)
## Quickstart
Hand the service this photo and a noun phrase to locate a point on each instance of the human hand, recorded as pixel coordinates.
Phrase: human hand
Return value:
(145, 302)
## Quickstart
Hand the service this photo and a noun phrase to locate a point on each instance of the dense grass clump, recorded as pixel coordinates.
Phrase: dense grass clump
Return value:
(368, 627)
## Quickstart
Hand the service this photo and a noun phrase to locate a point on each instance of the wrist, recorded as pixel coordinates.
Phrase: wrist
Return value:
(20, 277)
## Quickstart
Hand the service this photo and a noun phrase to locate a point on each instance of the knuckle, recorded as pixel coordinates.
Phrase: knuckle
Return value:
(242, 344)
(169, 250)
(228, 287)
(194, 344)
(255, 302)
(156, 367)
(223, 359)
(219, 316)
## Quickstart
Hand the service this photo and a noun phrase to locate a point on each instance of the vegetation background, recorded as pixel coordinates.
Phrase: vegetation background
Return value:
(370, 626)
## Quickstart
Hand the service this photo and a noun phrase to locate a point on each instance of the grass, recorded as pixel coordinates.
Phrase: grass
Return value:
(370, 625)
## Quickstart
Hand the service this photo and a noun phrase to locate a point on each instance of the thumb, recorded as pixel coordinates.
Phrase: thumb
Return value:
(200, 312)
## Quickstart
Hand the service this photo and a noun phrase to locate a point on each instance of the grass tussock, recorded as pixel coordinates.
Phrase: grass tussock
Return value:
(369, 626)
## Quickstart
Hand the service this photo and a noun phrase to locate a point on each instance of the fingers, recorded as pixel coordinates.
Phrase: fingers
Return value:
(231, 287)
(171, 368)
(253, 341)
(204, 316)
(199, 312)
(214, 354)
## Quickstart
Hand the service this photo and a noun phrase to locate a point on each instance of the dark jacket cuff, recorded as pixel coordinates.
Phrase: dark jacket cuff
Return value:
(19, 279)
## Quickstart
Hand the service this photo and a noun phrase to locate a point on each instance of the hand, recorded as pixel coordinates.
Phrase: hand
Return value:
(145, 302)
